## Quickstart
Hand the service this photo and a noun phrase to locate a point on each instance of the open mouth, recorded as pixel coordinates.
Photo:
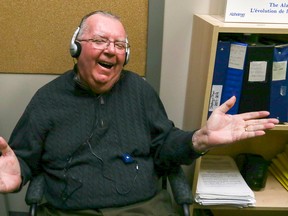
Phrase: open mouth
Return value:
(106, 65)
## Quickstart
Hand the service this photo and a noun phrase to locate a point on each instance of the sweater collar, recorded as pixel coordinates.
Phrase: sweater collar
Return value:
(83, 86)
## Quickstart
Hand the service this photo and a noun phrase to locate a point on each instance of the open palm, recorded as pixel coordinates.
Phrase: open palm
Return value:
(223, 128)
(10, 174)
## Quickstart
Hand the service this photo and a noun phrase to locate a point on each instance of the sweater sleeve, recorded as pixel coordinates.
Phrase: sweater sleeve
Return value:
(26, 141)
(170, 145)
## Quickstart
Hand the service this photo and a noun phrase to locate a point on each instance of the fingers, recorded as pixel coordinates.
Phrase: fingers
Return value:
(258, 118)
(245, 116)
(3, 143)
(259, 126)
(4, 147)
(248, 115)
(264, 121)
(254, 115)
(251, 134)
(227, 105)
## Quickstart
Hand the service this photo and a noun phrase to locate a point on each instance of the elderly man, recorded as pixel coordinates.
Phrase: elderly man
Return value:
(99, 133)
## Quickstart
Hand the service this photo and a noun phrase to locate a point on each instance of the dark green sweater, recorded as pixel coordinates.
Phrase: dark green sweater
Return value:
(77, 139)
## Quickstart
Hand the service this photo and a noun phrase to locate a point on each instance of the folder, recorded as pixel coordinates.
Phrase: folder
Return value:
(280, 167)
(283, 160)
(234, 75)
(255, 94)
(279, 84)
(220, 68)
(278, 175)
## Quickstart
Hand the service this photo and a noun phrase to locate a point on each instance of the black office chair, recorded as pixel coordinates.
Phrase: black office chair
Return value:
(35, 193)
(180, 188)
(179, 185)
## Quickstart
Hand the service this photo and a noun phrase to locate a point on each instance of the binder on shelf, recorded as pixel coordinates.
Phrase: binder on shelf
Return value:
(234, 74)
(255, 94)
(279, 84)
(220, 68)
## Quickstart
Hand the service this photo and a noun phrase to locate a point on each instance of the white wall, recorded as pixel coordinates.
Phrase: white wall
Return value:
(15, 92)
(176, 51)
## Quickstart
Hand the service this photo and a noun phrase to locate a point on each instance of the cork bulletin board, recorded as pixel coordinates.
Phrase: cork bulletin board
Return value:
(35, 34)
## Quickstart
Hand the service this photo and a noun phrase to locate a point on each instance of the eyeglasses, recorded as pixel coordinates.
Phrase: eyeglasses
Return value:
(103, 43)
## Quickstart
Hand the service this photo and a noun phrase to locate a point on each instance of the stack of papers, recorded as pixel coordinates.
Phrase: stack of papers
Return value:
(220, 183)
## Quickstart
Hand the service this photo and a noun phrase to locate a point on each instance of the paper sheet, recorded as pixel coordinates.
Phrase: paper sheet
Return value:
(220, 183)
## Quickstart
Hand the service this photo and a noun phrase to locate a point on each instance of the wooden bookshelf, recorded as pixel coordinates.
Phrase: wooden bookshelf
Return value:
(206, 31)
(273, 196)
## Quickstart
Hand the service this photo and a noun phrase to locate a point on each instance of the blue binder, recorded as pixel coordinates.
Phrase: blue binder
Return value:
(279, 84)
(220, 68)
(234, 75)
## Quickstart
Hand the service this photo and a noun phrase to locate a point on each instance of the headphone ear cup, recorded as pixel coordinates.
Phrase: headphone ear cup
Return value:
(75, 49)
(75, 46)
(127, 54)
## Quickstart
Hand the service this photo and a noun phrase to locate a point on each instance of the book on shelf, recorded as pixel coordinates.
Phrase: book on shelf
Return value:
(221, 183)
(279, 168)
(279, 176)
(283, 158)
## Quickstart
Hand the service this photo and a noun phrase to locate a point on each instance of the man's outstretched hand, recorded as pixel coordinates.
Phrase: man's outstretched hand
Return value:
(223, 129)
(10, 174)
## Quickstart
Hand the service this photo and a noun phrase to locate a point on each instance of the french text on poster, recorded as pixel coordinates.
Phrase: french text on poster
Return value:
(257, 11)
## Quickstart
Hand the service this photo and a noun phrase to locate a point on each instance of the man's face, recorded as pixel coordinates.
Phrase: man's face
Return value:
(101, 68)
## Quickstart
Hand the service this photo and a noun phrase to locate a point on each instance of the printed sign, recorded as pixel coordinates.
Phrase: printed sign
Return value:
(259, 11)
